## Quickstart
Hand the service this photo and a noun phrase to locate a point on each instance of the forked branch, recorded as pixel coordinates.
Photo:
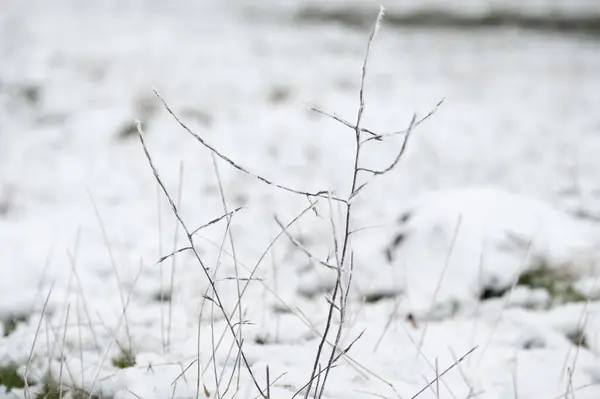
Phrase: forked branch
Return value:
(235, 165)
(188, 233)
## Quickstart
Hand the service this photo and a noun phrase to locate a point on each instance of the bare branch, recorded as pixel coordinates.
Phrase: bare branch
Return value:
(333, 304)
(218, 219)
(217, 298)
(335, 117)
(35, 337)
(252, 271)
(302, 247)
(243, 278)
(234, 164)
(442, 275)
(398, 156)
(347, 221)
(308, 384)
(163, 258)
(404, 131)
(235, 258)
(440, 375)
(274, 381)
(342, 353)
(268, 383)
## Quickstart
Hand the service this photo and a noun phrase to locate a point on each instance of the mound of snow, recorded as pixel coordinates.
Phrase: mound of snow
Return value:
(451, 244)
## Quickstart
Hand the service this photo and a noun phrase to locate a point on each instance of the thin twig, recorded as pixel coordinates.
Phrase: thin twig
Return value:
(376, 136)
(388, 323)
(118, 327)
(438, 286)
(440, 375)
(37, 331)
(268, 383)
(163, 258)
(113, 263)
(81, 294)
(262, 257)
(302, 317)
(398, 156)
(581, 323)
(237, 361)
(229, 216)
(305, 386)
(302, 247)
(404, 131)
(462, 374)
(344, 122)
(274, 381)
(224, 157)
(163, 338)
(350, 345)
(218, 219)
(174, 259)
(62, 353)
(347, 219)
(196, 254)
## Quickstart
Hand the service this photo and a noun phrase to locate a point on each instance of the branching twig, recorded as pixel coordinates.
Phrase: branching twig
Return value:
(302, 247)
(344, 122)
(404, 131)
(347, 221)
(440, 375)
(235, 165)
(217, 297)
(344, 266)
(218, 219)
(163, 258)
(398, 156)
(229, 216)
(113, 263)
(30, 357)
(174, 260)
(441, 279)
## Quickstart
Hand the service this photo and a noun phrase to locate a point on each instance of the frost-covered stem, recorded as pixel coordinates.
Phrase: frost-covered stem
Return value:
(234, 254)
(174, 259)
(35, 337)
(211, 281)
(338, 288)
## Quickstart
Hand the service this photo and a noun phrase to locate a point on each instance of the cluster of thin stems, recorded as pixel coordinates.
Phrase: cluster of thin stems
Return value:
(360, 177)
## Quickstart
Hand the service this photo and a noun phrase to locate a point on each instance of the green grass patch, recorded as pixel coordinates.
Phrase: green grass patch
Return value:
(10, 376)
(50, 389)
(558, 283)
(124, 360)
(10, 324)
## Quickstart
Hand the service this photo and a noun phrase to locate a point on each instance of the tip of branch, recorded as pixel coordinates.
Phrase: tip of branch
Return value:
(138, 125)
(157, 94)
(379, 20)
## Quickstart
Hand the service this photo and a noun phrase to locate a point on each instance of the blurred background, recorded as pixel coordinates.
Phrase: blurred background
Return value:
(520, 82)
(520, 79)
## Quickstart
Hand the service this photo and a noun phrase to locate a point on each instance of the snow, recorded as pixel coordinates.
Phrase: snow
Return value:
(494, 184)
(485, 237)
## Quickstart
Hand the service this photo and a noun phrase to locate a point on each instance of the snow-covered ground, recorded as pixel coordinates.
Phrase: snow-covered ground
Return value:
(502, 180)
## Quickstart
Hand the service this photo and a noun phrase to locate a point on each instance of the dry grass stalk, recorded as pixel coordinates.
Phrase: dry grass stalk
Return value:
(344, 265)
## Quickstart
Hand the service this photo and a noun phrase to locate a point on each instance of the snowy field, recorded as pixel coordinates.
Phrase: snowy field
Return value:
(473, 260)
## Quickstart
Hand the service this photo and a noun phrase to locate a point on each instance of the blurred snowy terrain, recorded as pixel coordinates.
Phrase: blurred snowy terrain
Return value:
(499, 184)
